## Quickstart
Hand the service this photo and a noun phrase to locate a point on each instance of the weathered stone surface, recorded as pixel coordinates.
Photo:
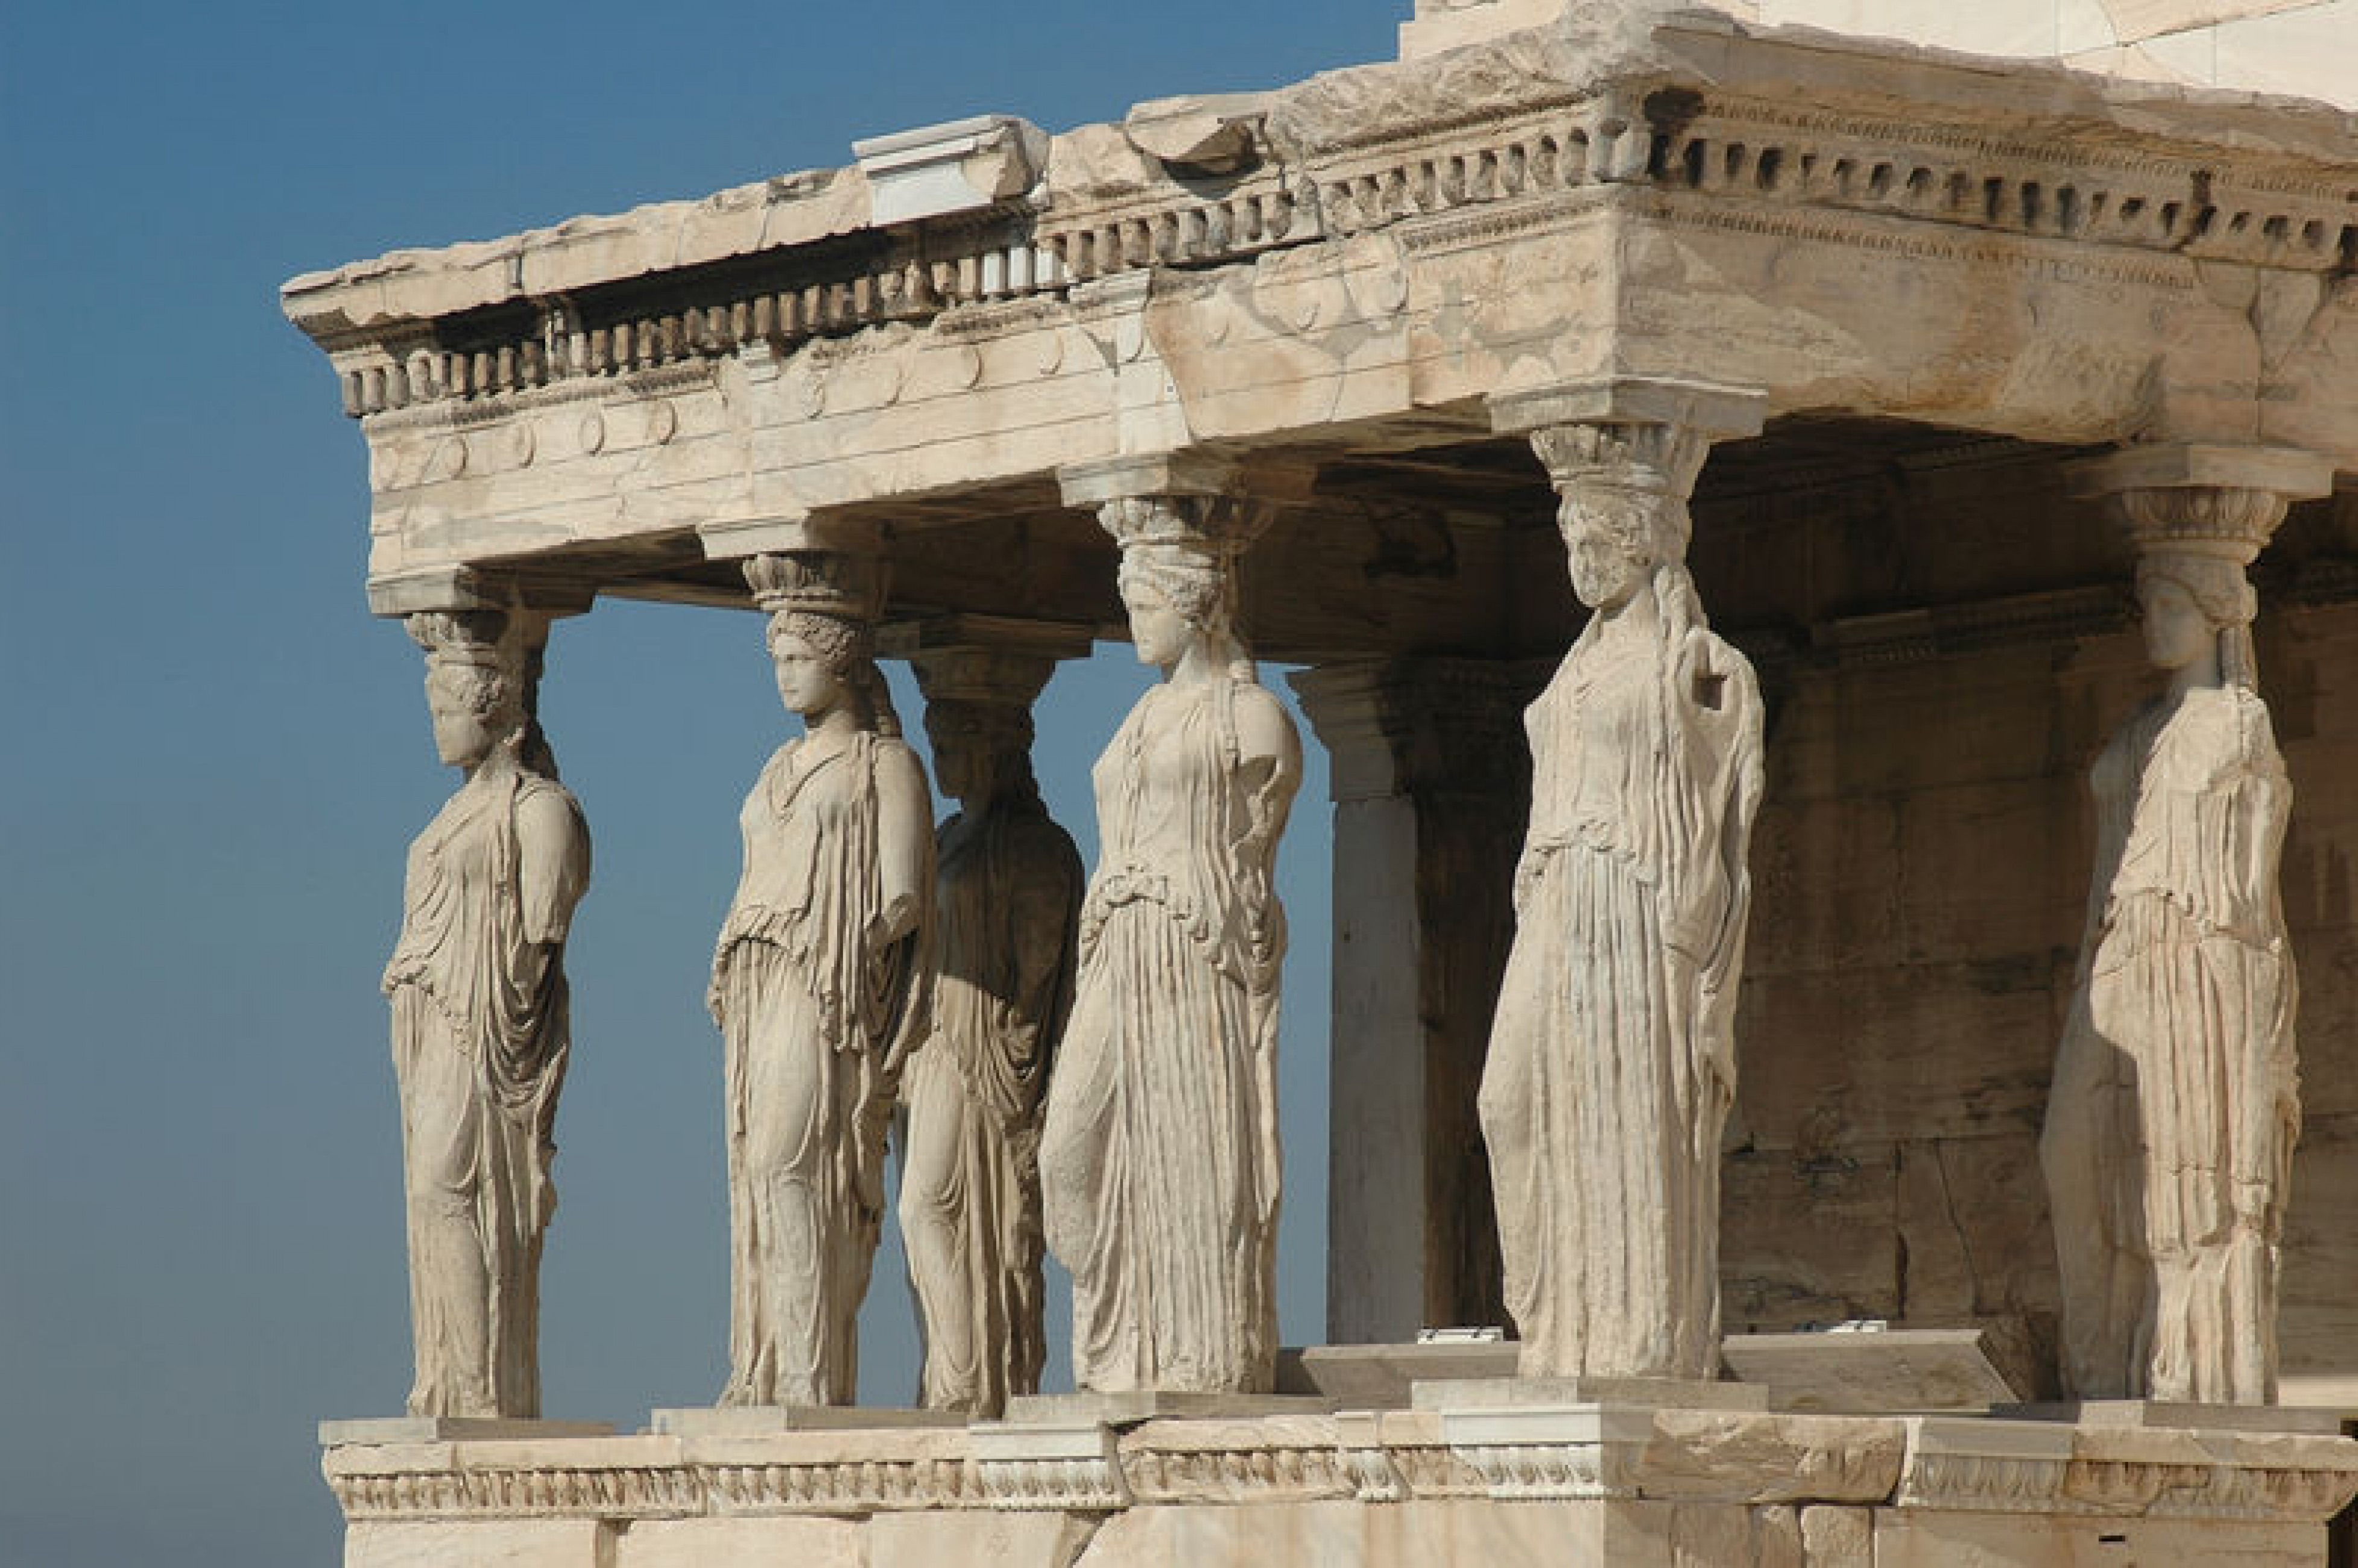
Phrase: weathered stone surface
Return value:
(991, 1540)
(1907, 1540)
(2321, 1249)
(1887, 1370)
(1754, 1458)
(498, 1543)
(1837, 1536)
(741, 1543)
(1808, 1238)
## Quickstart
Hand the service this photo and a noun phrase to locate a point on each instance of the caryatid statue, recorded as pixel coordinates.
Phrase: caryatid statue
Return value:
(1007, 905)
(1611, 1064)
(1160, 1154)
(480, 1031)
(819, 984)
(2175, 1103)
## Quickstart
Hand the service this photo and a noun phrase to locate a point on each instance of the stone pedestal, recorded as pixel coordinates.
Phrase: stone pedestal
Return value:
(1615, 1484)
(761, 1420)
(1431, 779)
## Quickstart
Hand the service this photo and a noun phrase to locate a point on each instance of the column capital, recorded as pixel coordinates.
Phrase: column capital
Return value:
(463, 589)
(1185, 472)
(1190, 496)
(984, 658)
(737, 538)
(1635, 434)
(2190, 498)
(846, 584)
(2287, 471)
(1711, 411)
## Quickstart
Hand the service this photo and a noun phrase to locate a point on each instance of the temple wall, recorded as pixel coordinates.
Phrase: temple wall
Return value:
(1922, 865)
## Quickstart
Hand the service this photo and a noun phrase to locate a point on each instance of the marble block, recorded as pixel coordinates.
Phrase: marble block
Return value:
(755, 1421)
(1894, 1370)
(1129, 1407)
(1379, 1377)
(1556, 1393)
(451, 1429)
(2308, 1420)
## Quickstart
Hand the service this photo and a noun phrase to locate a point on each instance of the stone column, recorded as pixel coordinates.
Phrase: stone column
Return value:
(1611, 1066)
(1160, 1158)
(1430, 780)
(1007, 903)
(2175, 1102)
(822, 975)
(481, 1032)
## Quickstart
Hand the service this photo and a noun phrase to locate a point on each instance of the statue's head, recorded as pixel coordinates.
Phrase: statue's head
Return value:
(1615, 535)
(476, 682)
(2195, 605)
(1176, 597)
(1624, 511)
(981, 750)
(818, 659)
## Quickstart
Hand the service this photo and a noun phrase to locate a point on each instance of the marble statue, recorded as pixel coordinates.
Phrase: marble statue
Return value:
(820, 985)
(1160, 1152)
(1006, 901)
(2174, 1106)
(1611, 1066)
(480, 1033)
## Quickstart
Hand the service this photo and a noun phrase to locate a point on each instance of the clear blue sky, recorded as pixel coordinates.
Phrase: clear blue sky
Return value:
(215, 757)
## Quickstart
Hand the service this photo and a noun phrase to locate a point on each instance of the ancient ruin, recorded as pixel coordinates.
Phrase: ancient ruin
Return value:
(1731, 495)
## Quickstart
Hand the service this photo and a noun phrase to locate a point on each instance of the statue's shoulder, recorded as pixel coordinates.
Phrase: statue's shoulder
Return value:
(1263, 726)
(897, 768)
(2255, 731)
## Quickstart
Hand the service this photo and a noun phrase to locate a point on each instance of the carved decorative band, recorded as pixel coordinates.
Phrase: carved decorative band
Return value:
(906, 286)
(1077, 1483)
(1089, 1470)
(1988, 1484)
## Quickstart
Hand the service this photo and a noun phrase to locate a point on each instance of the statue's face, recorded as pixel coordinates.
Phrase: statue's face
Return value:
(806, 685)
(1606, 568)
(1157, 629)
(462, 736)
(961, 764)
(2177, 631)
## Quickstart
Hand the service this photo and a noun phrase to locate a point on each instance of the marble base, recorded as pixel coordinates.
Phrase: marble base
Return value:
(1129, 1406)
(1531, 1393)
(1480, 1488)
(756, 1421)
(1379, 1377)
(2162, 1413)
(1891, 1371)
(452, 1429)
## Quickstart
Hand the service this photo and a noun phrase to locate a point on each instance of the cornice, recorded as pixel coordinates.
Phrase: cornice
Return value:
(2126, 189)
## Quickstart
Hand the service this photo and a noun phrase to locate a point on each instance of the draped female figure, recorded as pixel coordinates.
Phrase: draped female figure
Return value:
(1160, 1158)
(1611, 1066)
(481, 1031)
(2174, 1105)
(820, 985)
(1006, 903)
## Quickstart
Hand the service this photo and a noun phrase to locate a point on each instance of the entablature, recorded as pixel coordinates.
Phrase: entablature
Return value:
(1360, 263)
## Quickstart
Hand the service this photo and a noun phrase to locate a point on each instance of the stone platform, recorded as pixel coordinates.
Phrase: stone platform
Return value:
(1601, 1483)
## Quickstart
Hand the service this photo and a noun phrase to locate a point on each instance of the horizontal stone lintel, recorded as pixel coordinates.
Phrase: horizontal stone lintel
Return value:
(1613, 1450)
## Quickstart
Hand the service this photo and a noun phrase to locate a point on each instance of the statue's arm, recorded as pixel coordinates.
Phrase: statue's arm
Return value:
(1269, 758)
(553, 864)
(1045, 910)
(904, 844)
